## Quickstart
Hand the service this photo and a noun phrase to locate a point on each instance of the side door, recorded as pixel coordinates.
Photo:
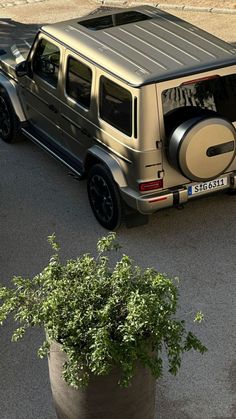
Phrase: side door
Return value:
(40, 90)
(78, 105)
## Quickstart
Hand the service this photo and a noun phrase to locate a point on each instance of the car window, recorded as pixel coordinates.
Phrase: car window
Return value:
(78, 82)
(115, 105)
(46, 61)
(116, 19)
(213, 94)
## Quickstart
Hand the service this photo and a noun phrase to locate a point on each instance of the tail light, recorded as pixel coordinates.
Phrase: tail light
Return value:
(151, 185)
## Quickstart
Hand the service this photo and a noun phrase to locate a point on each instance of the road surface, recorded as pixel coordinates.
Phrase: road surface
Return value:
(197, 244)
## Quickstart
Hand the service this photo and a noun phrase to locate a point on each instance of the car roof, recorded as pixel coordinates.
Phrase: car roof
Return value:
(142, 45)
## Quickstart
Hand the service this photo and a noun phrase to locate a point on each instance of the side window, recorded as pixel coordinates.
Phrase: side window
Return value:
(46, 61)
(78, 82)
(116, 105)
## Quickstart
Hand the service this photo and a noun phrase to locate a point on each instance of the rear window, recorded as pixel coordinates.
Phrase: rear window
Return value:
(78, 82)
(115, 105)
(212, 95)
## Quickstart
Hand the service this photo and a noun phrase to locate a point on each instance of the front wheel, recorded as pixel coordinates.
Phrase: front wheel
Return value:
(9, 125)
(104, 197)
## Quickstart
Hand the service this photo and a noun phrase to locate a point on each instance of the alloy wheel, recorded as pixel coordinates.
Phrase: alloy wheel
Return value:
(101, 198)
(5, 119)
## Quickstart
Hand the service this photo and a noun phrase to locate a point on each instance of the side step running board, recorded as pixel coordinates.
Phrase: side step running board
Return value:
(53, 153)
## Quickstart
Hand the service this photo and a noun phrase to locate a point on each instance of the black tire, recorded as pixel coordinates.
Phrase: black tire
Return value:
(9, 124)
(104, 197)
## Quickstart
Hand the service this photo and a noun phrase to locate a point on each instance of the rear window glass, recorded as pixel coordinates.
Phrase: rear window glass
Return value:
(211, 95)
(116, 19)
(78, 82)
(115, 105)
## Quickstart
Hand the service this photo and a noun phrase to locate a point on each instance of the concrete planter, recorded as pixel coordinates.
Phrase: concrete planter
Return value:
(103, 399)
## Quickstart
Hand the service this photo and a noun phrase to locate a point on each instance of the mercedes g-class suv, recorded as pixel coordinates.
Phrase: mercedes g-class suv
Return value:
(138, 101)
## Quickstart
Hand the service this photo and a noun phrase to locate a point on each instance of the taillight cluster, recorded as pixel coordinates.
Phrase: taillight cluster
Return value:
(151, 185)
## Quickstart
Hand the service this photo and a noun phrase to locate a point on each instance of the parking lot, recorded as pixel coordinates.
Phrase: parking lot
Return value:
(198, 243)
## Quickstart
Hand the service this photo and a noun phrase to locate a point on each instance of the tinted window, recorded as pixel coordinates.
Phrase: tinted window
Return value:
(116, 105)
(211, 95)
(117, 19)
(78, 82)
(46, 61)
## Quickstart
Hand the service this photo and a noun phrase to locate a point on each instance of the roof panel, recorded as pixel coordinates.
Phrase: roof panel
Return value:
(146, 51)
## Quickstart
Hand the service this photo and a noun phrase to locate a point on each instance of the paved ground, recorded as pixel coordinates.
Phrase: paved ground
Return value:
(222, 4)
(38, 196)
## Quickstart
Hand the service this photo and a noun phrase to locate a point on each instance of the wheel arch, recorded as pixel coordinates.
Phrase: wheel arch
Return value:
(97, 155)
(9, 86)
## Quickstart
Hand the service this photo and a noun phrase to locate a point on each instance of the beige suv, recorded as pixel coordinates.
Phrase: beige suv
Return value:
(138, 101)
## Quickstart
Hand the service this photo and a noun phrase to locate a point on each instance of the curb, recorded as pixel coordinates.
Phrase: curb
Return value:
(19, 3)
(166, 6)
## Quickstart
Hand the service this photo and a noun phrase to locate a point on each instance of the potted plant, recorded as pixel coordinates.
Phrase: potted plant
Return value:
(107, 331)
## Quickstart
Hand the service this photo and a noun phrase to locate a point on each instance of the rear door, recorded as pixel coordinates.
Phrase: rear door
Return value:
(78, 105)
(209, 95)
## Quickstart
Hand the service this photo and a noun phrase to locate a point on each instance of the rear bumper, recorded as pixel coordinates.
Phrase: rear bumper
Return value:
(150, 203)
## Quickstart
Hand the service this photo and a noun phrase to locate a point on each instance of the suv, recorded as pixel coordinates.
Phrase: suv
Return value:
(138, 101)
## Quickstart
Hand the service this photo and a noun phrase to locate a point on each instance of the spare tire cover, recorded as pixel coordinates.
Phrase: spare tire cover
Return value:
(202, 148)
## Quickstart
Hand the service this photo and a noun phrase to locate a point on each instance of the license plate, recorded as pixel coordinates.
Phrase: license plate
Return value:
(208, 186)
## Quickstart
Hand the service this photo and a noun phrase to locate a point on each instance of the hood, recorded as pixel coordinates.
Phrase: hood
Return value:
(13, 55)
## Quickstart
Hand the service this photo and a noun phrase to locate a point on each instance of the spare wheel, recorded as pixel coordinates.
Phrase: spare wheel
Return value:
(202, 148)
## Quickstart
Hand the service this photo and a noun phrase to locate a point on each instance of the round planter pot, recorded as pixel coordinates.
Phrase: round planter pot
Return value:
(103, 398)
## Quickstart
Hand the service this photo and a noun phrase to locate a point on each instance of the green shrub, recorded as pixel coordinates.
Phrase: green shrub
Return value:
(102, 316)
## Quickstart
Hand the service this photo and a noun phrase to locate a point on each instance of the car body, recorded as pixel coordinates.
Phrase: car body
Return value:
(138, 101)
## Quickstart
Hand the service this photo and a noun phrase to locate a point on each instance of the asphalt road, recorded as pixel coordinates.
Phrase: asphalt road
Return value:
(197, 244)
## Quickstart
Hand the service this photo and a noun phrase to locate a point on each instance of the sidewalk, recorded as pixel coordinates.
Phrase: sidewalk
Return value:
(213, 6)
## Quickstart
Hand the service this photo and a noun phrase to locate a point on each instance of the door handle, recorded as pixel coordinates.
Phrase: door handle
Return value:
(53, 108)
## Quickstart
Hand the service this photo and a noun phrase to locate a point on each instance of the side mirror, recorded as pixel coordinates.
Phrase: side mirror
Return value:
(23, 69)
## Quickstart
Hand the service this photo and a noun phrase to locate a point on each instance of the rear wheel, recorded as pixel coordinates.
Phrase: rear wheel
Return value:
(104, 197)
(9, 125)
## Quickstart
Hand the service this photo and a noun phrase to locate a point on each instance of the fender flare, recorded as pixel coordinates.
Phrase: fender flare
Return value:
(111, 162)
(9, 86)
